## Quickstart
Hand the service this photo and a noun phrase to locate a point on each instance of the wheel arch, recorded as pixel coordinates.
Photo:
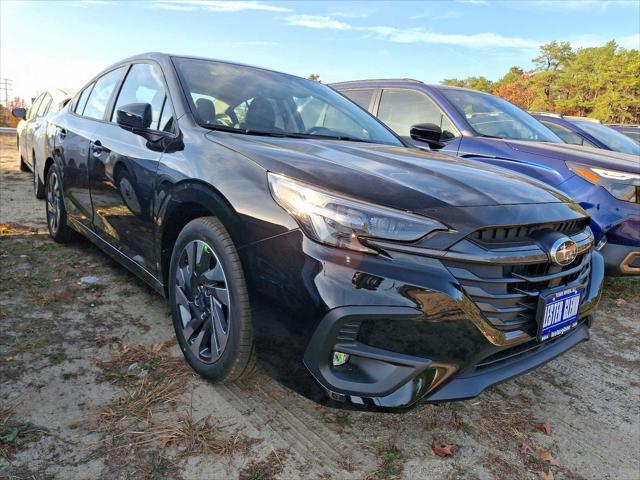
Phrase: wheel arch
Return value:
(183, 203)
(47, 166)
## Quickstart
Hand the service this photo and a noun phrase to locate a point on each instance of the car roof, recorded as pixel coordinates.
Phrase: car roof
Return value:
(161, 57)
(398, 82)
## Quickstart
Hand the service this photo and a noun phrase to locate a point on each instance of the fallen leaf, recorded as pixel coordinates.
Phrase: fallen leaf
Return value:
(441, 449)
(621, 302)
(544, 427)
(525, 448)
(546, 456)
(548, 475)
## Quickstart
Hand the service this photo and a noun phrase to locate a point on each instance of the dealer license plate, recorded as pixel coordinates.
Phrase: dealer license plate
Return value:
(560, 312)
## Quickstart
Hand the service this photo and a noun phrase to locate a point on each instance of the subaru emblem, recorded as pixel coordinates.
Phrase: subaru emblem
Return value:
(563, 251)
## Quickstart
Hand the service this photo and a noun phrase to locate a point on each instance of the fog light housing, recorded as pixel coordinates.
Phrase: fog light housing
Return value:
(340, 358)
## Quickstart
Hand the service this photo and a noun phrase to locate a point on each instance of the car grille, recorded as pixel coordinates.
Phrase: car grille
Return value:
(507, 293)
(523, 233)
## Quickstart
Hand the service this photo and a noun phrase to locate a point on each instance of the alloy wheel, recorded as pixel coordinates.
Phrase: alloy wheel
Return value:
(54, 202)
(202, 298)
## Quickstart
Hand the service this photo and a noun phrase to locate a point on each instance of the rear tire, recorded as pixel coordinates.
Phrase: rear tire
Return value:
(210, 303)
(56, 213)
(38, 186)
(23, 165)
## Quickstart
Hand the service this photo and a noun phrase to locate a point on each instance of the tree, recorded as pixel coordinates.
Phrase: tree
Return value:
(600, 82)
(315, 77)
(519, 92)
(514, 74)
(475, 83)
(554, 56)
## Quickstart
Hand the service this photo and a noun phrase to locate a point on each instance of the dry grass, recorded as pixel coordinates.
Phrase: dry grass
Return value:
(138, 429)
(156, 382)
(267, 469)
(140, 400)
(194, 437)
(152, 359)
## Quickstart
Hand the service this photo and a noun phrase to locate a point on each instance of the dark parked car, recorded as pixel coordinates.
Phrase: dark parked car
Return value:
(281, 219)
(631, 131)
(587, 132)
(486, 128)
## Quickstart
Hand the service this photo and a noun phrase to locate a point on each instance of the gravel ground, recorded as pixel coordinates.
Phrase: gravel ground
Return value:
(93, 386)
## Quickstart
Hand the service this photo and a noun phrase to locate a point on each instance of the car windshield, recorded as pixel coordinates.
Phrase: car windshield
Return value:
(491, 116)
(251, 100)
(614, 140)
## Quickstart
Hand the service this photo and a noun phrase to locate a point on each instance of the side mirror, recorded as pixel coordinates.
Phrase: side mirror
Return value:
(20, 113)
(427, 132)
(134, 116)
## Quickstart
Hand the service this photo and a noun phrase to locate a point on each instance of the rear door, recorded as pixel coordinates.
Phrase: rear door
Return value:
(73, 141)
(123, 164)
(26, 139)
(39, 129)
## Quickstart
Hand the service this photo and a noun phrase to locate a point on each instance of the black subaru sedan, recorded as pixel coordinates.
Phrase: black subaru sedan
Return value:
(285, 223)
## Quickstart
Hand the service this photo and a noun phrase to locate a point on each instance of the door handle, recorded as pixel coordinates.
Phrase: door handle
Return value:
(96, 148)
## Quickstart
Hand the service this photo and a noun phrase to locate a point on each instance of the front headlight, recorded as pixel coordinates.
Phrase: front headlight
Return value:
(622, 185)
(343, 222)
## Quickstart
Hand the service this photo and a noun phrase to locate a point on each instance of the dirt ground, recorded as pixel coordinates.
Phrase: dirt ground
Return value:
(92, 386)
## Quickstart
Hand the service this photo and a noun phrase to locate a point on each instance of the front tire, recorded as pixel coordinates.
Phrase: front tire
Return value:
(209, 302)
(56, 213)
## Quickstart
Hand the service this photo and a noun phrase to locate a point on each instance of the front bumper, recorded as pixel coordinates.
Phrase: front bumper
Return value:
(617, 220)
(621, 260)
(412, 332)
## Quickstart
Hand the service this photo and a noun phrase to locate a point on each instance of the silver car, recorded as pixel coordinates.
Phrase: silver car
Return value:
(31, 133)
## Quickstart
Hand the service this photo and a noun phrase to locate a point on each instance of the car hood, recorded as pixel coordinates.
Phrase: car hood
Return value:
(594, 157)
(399, 177)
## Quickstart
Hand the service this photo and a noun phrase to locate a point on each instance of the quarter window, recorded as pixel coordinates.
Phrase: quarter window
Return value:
(567, 135)
(101, 94)
(361, 96)
(33, 110)
(143, 85)
(82, 101)
(44, 105)
(166, 118)
(401, 109)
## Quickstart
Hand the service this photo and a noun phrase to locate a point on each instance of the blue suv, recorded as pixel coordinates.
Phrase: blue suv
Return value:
(587, 132)
(483, 127)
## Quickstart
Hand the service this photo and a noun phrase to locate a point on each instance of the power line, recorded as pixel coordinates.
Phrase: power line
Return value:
(5, 87)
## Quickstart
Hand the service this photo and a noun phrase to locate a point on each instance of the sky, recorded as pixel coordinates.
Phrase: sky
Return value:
(45, 44)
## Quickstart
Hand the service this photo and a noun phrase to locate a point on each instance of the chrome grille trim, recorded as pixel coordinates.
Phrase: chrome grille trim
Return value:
(506, 294)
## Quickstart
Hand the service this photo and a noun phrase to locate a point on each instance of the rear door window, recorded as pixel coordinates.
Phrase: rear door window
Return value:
(401, 109)
(362, 96)
(143, 85)
(101, 94)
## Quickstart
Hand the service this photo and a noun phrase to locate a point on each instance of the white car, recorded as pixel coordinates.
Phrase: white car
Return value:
(31, 133)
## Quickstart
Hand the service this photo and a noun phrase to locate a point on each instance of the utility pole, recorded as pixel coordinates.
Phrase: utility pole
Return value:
(5, 87)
